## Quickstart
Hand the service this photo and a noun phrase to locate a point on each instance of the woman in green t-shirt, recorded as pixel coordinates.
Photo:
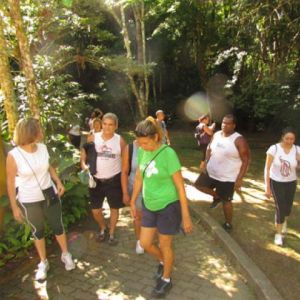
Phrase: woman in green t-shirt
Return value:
(165, 204)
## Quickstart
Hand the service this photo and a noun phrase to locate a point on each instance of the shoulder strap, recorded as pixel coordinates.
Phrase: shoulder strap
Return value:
(152, 159)
(130, 152)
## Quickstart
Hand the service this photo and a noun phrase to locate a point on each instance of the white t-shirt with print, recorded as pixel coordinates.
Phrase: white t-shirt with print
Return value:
(283, 168)
(108, 156)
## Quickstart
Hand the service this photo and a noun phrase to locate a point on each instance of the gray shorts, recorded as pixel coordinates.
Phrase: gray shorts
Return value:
(36, 213)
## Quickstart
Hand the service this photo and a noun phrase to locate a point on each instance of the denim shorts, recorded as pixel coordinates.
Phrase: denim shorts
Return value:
(167, 220)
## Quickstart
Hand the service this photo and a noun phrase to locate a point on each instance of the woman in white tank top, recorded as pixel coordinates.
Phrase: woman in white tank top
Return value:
(29, 171)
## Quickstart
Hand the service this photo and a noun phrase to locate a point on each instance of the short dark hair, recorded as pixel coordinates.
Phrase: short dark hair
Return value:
(202, 117)
(288, 129)
(232, 117)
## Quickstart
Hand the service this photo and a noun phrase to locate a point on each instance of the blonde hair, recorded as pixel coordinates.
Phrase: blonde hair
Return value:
(149, 128)
(27, 131)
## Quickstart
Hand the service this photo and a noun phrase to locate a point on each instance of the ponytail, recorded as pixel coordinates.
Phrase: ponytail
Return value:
(149, 128)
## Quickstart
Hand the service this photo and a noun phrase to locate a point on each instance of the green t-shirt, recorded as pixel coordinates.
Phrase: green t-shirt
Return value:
(159, 189)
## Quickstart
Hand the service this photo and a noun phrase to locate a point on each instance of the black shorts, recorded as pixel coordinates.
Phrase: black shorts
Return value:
(110, 189)
(167, 220)
(224, 189)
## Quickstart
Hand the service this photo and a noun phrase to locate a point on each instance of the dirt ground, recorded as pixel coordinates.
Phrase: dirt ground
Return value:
(254, 216)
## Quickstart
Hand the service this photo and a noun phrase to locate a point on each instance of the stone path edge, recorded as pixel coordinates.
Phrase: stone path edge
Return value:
(262, 286)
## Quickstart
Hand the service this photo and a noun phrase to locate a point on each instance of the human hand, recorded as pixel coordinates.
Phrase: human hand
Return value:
(60, 188)
(187, 224)
(126, 199)
(18, 215)
(238, 184)
(268, 192)
(90, 138)
(132, 209)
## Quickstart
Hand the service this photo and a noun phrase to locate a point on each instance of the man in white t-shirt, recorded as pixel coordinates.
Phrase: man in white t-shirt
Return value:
(227, 160)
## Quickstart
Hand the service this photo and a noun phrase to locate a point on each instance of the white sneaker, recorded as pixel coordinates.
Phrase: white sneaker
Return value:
(284, 227)
(278, 239)
(138, 248)
(66, 258)
(43, 268)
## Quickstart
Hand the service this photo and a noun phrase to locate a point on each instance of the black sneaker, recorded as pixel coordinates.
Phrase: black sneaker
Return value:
(112, 241)
(159, 272)
(162, 288)
(215, 202)
(227, 226)
(101, 237)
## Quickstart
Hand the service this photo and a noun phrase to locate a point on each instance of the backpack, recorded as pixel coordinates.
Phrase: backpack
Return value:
(130, 152)
(201, 136)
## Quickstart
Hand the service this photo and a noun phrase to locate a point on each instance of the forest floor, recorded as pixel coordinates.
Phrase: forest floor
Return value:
(253, 214)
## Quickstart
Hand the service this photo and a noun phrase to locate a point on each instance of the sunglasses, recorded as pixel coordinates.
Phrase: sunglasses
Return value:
(144, 133)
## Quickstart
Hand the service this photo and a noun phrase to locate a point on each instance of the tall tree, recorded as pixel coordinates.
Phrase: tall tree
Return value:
(32, 91)
(6, 82)
(137, 70)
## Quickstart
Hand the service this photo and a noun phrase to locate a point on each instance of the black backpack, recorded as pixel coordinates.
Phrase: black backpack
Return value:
(130, 152)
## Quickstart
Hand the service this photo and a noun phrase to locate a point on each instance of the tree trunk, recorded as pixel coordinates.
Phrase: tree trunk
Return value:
(139, 83)
(32, 92)
(6, 83)
(2, 182)
(134, 86)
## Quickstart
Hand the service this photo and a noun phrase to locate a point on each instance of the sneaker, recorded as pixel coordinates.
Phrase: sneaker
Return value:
(138, 248)
(101, 237)
(43, 268)
(215, 202)
(278, 239)
(112, 241)
(159, 272)
(66, 258)
(227, 226)
(284, 227)
(162, 288)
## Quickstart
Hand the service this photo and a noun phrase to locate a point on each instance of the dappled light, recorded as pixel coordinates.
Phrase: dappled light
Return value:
(105, 272)
(67, 63)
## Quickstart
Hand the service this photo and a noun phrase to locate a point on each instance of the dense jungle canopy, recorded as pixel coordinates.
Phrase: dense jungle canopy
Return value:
(60, 58)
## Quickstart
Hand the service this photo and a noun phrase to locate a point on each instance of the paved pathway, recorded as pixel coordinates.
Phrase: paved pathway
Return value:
(202, 270)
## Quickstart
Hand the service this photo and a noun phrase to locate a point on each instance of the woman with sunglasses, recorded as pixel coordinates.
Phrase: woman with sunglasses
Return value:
(164, 201)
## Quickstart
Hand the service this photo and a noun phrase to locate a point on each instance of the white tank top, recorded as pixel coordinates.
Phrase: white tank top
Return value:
(225, 162)
(29, 187)
(108, 156)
